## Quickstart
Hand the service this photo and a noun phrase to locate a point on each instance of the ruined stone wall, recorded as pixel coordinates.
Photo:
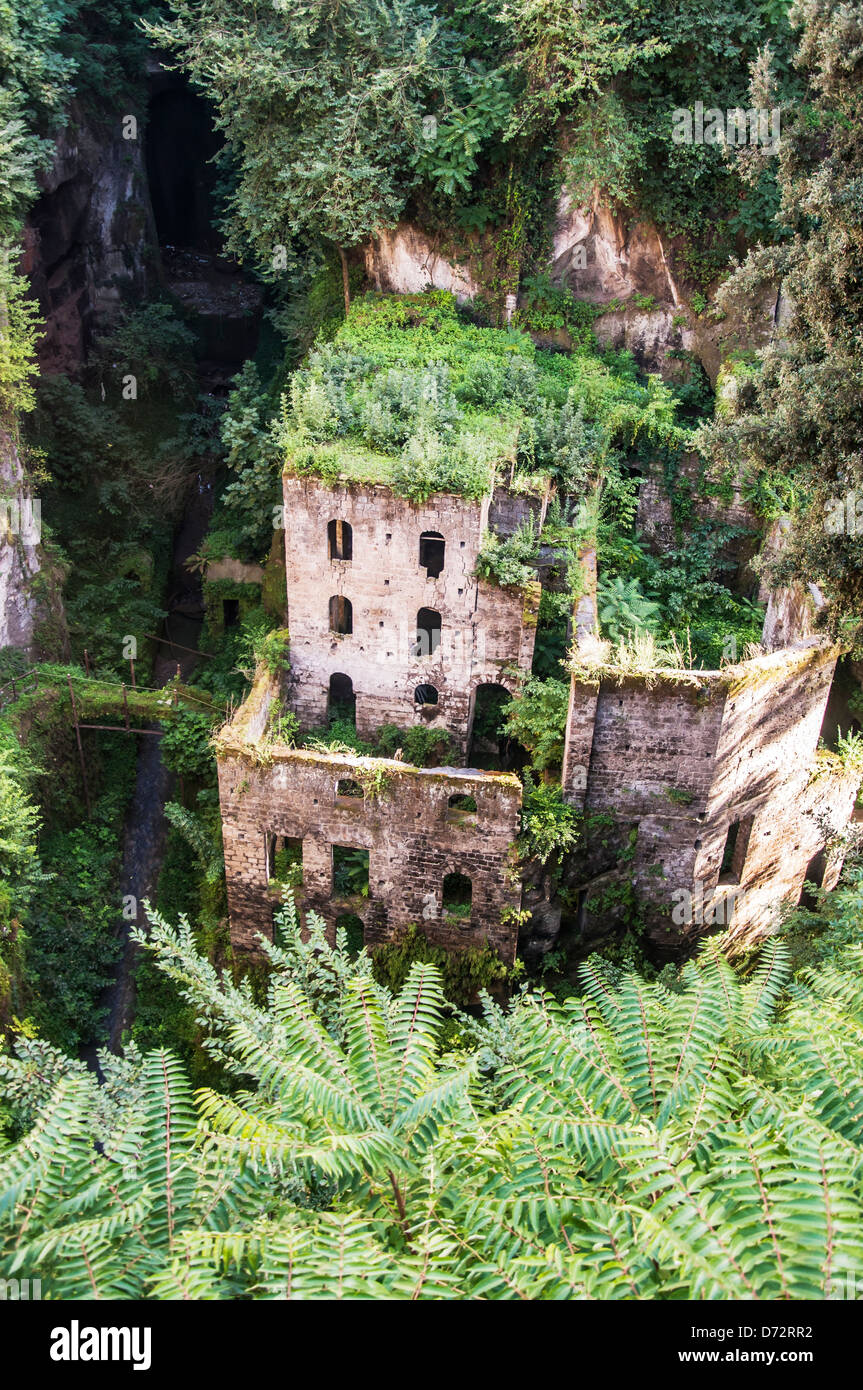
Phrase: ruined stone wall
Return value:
(655, 520)
(412, 835)
(670, 768)
(484, 628)
(768, 779)
(647, 774)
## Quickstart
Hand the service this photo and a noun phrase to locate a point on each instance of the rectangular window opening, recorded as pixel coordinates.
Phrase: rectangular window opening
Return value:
(735, 850)
(457, 897)
(350, 872)
(285, 860)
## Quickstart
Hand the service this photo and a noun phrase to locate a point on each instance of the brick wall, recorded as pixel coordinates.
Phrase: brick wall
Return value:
(767, 773)
(682, 761)
(655, 519)
(412, 835)
(484, 628)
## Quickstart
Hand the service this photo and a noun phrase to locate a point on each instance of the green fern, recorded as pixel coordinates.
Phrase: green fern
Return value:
(634, 1142)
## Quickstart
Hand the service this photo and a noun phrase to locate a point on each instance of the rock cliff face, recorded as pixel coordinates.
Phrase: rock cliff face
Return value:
(406, 261)
(19, 552)
(90, 242)
(90, 238)
(605, 258)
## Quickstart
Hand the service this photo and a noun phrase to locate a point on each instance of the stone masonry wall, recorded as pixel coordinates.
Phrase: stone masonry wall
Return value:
(412, 835)
(766, 772)
(484, 628)
(682, 762)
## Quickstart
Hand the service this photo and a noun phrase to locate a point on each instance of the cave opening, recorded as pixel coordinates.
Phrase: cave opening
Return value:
(181, 142)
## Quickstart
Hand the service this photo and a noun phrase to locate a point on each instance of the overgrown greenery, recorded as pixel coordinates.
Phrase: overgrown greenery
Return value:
(797, 428)
(418, 744)
(470, 116)
(411, 394)
(117, 473)
(637, 1142)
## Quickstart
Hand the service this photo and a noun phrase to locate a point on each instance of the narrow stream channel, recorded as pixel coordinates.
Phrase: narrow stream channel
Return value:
(225, 306)
(146, 828)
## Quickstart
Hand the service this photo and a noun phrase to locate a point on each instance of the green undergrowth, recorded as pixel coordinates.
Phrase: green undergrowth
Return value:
(60, 900)
(418, 745)
(412, 394)
(465, 973)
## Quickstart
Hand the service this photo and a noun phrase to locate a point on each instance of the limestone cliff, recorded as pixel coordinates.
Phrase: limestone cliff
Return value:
(19, 552)
(90, 238)
(606, 257)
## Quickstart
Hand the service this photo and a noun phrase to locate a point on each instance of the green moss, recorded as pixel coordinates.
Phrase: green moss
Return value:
(274, 587)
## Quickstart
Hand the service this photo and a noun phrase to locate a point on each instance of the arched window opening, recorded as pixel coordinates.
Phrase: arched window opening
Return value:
(348, 789)
(490, 747)
(341, 615)
(457, 896)
(432, 548)
(428, 632)
(426, 695)
(340, 540)
(342, 702)
(462, 804)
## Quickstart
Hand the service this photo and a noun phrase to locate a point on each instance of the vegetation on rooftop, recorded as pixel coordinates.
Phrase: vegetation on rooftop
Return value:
(413, 394)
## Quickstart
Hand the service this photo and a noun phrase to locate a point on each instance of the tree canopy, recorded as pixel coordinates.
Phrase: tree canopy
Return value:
(798, 427)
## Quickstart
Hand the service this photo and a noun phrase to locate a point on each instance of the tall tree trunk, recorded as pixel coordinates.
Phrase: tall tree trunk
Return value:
(345, 282)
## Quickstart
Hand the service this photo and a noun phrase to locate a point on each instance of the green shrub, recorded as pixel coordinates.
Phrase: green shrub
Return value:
(465, 973)
(549, 825)
(186, 745)
(536, 718)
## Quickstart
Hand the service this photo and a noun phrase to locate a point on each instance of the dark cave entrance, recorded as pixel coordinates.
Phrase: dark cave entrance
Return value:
(181, 142)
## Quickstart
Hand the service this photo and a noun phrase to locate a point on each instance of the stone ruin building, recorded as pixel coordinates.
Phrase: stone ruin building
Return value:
(721, 805)
(405, 629)
(386, 616)
(706, 798)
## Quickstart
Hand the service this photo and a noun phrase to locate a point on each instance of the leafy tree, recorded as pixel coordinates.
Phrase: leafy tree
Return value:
(252, 498)
(19, 333)
(623, 608)
(536, 718)
(800, 419)
(549, 825)
(563, 60)
(321, 107)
